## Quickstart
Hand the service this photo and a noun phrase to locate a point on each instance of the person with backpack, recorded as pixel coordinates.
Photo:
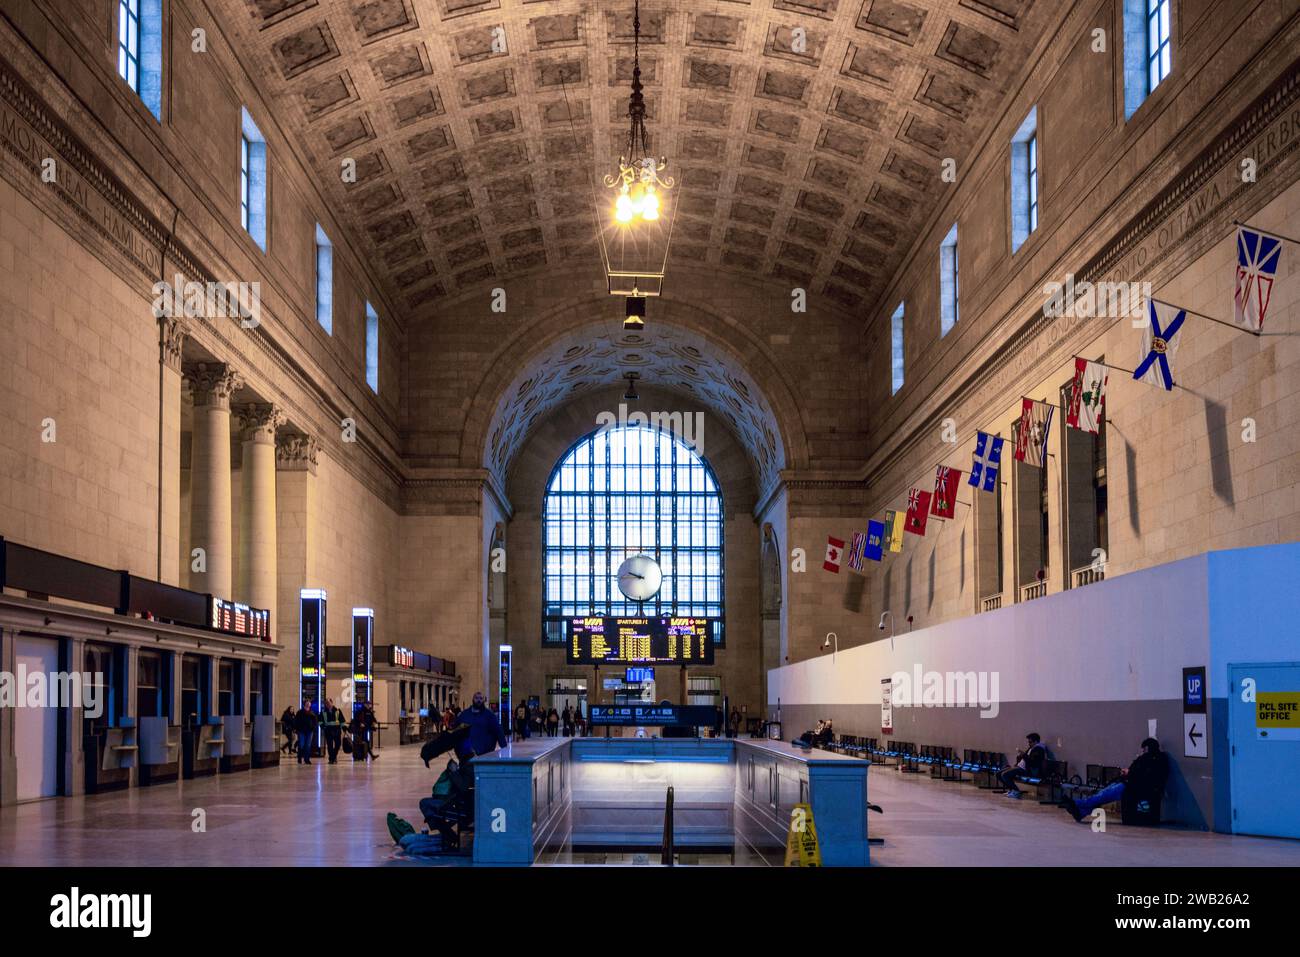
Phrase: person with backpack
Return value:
(331, 719)
(1139, 789)
(305, 723)
(1029, 764)
(552, 723)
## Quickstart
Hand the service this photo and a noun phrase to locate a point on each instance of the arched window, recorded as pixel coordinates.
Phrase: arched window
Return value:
(621, 492)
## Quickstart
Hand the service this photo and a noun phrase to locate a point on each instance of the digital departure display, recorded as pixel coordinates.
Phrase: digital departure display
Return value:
(624, 641)
(237, 619)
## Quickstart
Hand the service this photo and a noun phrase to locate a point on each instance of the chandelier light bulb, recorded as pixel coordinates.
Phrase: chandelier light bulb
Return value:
(624, 209)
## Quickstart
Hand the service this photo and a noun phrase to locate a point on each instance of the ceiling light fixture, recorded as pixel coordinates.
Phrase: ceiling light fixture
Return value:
(635, 237)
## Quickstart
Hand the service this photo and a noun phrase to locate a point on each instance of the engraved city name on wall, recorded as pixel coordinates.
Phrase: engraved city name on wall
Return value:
(32, 150)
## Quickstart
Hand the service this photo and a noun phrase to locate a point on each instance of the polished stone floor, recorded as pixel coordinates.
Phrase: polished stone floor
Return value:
(334, 815)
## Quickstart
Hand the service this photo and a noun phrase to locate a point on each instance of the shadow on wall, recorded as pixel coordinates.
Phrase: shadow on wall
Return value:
(855, 593)
(1216, 425)
(1130, 465)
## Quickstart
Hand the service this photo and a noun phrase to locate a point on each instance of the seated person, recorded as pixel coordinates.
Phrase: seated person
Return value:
(827, 735)
(1141, 785)
(1029, 764)
(811, 738)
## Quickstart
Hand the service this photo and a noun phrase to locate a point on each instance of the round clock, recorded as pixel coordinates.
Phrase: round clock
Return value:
(639, 578)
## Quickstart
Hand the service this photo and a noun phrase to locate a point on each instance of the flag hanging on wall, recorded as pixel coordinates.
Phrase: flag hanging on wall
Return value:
(875, 540)
(1087, 396)
(834, 552)
(988, 458)
(1258, 257)
(894, 530)
(1031, 437)
(1159, 344)
(944, 503)
(855, 551)
(918, 511)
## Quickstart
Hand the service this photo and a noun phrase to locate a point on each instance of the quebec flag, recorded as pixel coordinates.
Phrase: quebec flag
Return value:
(1258, 256)
(988, 456)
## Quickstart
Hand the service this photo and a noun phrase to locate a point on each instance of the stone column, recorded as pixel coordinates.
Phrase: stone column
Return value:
(296, 460)
(212, 385)
(257, 515)
(172, 334)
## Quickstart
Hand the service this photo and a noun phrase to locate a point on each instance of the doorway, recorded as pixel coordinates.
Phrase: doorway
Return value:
(1264, 739)
(36, 730)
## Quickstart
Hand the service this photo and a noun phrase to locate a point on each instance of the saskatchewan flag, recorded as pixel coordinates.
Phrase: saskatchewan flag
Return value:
(894, 530)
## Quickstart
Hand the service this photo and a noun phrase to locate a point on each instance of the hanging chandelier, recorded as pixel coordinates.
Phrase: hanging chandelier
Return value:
(636, 235)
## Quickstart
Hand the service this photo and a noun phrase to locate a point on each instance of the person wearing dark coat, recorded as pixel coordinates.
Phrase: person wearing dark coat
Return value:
(287, 729)
(1142, 783)
(485, 734)
(1029, 764)
(305, 723)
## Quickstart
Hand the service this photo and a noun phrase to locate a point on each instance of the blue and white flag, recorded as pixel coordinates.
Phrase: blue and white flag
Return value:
(1159, 344)
(875, 540)
(1258, 257)
(988, 456)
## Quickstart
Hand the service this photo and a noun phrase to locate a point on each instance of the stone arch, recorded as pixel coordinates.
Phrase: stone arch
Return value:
(688, 348)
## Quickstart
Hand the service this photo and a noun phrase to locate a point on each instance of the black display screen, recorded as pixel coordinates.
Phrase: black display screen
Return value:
(620, 641)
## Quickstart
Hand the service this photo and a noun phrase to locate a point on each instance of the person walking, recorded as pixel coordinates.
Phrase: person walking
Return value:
(331, 719)
(566, 719)
(521, 722)
(305, 723)
(370, 725)
(552, 723)
(286, 728)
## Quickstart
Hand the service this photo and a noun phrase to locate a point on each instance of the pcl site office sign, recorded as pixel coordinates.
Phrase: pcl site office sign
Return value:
(1277, 715)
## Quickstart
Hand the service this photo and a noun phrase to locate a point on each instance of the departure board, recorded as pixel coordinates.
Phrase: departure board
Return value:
(620, 641)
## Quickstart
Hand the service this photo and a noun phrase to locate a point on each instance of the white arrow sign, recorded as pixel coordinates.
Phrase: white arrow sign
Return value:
(1195, 742)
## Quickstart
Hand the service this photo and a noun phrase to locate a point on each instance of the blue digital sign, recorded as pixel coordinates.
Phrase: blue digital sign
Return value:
(638, 676)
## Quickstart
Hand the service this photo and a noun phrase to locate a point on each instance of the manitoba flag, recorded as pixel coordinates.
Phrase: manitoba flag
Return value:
(1258, 256)
(1031, 436)
(946, 481)
(834, 552)
(1087, 396)
(918, 510)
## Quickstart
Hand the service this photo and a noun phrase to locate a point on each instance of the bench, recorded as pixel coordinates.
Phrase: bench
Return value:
(1052, 777)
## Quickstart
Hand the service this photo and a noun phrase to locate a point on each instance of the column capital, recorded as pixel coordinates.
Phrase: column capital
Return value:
(258, 421)
(212, 383)
(295, 452)
(173, 332)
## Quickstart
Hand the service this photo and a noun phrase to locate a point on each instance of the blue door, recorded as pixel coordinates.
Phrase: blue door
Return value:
(1264, 735)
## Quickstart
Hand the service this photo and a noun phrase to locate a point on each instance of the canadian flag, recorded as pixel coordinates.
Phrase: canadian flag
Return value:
(834, 551)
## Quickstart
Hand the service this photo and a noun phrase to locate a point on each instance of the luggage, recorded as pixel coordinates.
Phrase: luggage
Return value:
(358, 750)
(347, 744)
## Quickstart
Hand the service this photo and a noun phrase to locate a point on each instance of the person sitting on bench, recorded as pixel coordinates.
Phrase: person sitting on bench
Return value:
(1029, 764)
(1141, 785)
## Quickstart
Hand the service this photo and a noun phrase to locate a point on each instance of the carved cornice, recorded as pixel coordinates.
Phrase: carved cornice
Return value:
(295, 452)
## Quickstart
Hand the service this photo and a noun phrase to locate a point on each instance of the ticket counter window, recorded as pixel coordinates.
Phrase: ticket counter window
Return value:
(151, 697)
(229, 693)
(258, 682)
(193, 690)
(105, 665)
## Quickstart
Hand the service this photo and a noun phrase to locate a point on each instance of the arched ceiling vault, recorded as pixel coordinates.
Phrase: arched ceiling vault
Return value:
(690, 352)
(806, 135)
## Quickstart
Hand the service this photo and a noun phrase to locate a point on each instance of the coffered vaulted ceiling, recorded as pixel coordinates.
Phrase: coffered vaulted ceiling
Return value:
(474, 163)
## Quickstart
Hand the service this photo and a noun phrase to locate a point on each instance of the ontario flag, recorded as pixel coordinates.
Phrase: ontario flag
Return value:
(918, 511)
(834, 552)
(1087, 396)
(1258, 256)
(946, 481)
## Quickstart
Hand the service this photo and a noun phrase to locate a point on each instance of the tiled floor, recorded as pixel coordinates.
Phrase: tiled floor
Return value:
(318, 815)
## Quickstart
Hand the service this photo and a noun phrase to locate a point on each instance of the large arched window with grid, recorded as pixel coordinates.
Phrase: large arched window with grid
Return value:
(625, 491)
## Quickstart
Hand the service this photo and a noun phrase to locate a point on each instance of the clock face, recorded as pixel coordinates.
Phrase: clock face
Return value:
(639, 578)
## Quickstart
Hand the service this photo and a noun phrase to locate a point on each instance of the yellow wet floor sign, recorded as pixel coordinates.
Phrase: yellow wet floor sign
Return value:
(801, 848)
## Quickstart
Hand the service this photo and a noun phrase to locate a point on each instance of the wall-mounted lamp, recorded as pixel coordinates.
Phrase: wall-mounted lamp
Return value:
(831, 637)
(890, 615)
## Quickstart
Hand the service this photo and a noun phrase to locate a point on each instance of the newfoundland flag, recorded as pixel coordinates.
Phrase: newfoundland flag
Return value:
(918, 511)
(1258, 256)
